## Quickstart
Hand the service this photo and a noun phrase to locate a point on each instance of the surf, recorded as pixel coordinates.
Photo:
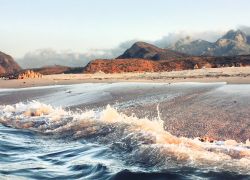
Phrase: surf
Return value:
(141, 141)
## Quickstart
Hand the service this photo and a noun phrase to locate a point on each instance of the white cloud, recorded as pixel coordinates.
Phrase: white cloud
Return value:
(48, 57)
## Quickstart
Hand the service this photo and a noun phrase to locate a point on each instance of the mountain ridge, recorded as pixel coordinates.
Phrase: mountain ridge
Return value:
(143, 50)
(230, 44)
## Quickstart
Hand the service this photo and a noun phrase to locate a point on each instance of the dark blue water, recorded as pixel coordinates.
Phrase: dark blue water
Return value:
(25, 154)
(28, 155)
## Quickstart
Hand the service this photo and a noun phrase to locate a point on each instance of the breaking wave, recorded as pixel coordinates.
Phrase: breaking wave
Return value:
(141, 143)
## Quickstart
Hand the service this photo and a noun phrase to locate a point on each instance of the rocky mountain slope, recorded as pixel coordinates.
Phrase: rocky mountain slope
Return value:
(231, 44)
(8, 65)
(144, 50)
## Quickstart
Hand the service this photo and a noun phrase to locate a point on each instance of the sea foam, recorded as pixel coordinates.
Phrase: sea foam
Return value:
(140, 140)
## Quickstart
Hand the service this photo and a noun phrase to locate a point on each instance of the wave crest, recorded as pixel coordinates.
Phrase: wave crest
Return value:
(143, 141)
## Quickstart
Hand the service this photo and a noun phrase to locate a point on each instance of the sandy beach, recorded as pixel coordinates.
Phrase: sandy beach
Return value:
(53, 87)
(187, 109)
(231, 75)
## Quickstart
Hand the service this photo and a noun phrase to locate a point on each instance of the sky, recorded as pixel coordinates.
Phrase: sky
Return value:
(84, 25)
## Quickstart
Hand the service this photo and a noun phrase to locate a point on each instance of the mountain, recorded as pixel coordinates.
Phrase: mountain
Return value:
(197, 47)
(144, 57)
(238, 36)
(144, 50)
(7, 64)
(231, 44)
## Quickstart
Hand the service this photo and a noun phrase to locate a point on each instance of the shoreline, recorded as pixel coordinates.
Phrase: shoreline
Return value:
(231, 75)
(218, 110)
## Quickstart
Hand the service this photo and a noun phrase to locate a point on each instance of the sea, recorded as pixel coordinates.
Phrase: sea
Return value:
(125, 131)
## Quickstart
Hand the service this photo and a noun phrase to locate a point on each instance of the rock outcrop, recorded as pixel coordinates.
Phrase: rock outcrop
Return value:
(28, 74)
(121, 65)
(8, 65)
(185, 63)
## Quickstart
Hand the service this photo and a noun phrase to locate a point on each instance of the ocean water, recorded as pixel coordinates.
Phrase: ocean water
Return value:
(71, 132)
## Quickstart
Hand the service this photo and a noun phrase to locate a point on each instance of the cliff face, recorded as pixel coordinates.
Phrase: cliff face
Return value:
(143, 65)
(8, 65)
(120, 65)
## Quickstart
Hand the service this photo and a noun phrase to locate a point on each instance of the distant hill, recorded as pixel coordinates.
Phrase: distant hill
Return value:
(144, 50)
(8, 65)
(231, 44)
(183, 63)
(197, 47)
(57, 69)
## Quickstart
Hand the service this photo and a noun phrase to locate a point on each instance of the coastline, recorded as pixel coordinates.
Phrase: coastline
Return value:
(230, 75)
(216, 110)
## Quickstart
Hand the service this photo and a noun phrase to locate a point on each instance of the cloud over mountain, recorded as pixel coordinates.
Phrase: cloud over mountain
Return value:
(49, 57)
(172, 38)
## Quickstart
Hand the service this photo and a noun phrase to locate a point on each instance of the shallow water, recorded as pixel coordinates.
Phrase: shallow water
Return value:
(41, 141)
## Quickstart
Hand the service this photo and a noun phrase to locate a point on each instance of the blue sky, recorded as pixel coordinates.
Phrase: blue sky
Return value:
(81, 25)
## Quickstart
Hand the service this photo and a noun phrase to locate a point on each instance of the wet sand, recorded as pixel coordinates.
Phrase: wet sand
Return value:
(218, 110)
(231, 75)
